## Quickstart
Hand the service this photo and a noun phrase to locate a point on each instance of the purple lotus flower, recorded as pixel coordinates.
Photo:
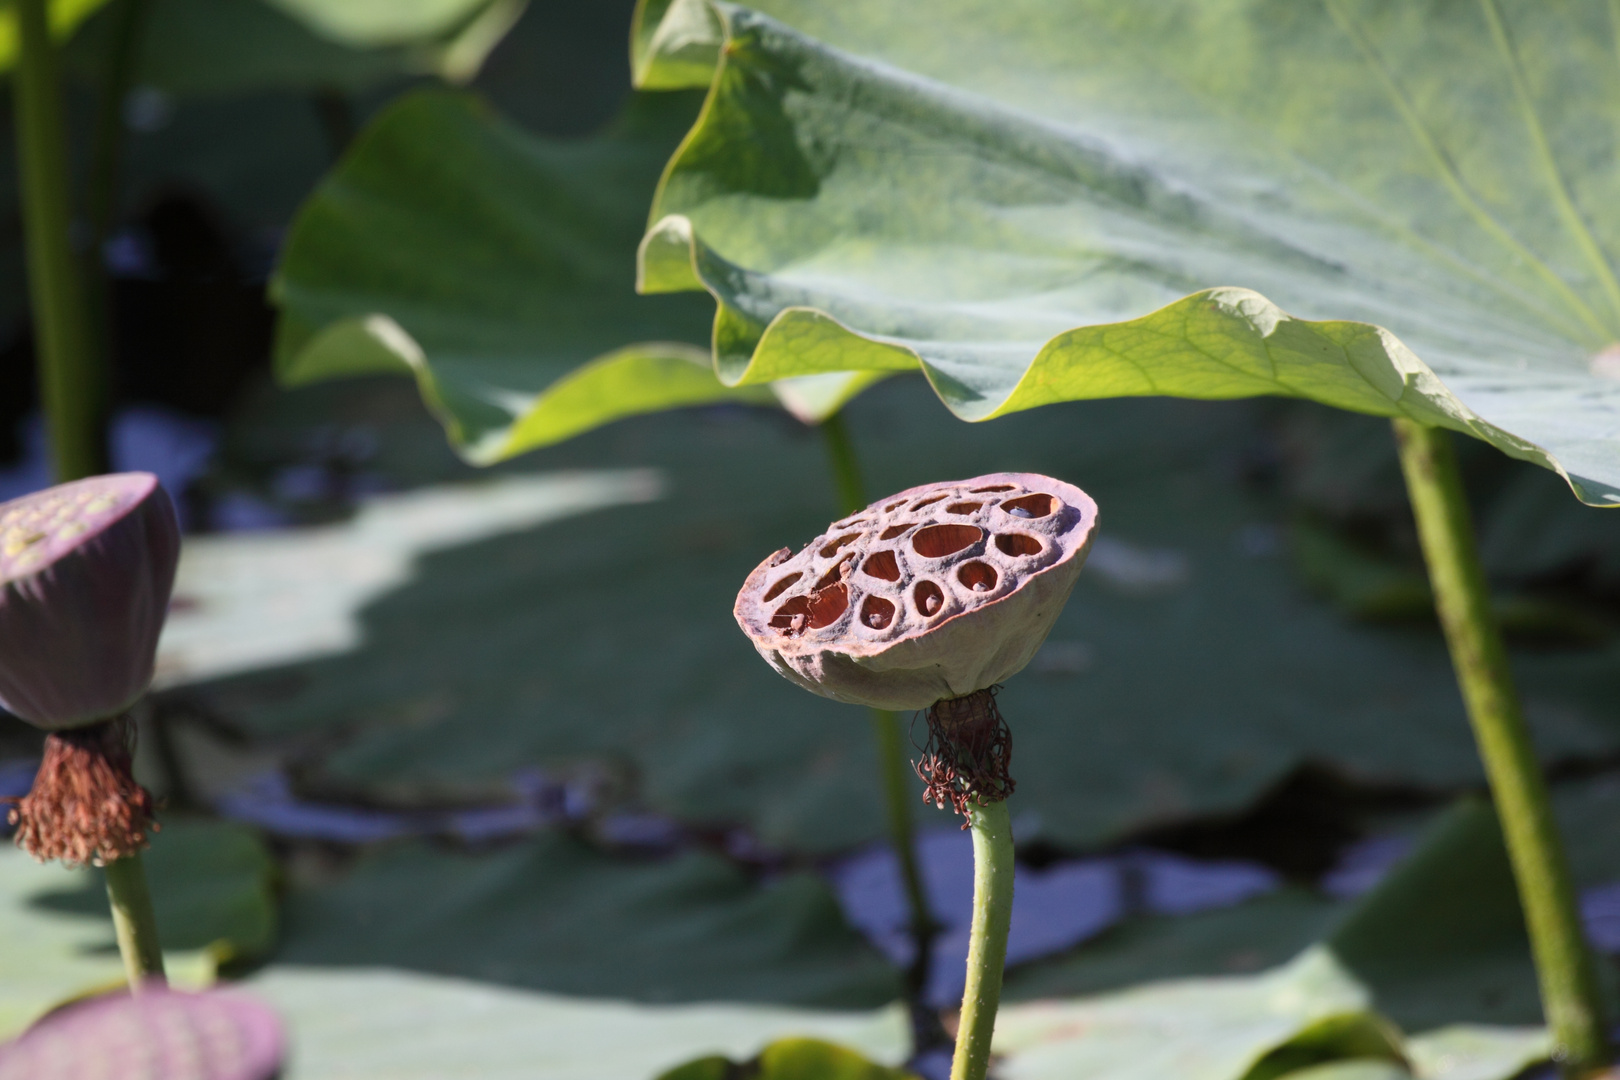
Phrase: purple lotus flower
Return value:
(86, 569)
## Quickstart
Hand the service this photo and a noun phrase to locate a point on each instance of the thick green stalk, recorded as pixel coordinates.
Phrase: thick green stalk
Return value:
(134, 922)
(1569, 989)
(987, 941)
(107, 146)
(69, 379)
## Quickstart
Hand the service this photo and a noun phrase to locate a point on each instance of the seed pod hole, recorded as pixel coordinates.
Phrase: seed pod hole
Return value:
(783, 585)
(893, 531)
(978, 576)
(833, 576)
(877, 613)
(881, 564)
(962, 507)
(1018, 544)
(827, 605)
(819, 609)
(938, 541)
(1030, 506)
(832, 549)
(930, 501)
(992, 487)
(928, 598)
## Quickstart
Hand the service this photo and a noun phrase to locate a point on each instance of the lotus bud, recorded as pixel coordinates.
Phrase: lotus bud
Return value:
(159, 1035)
(928, 599)
(86, 569)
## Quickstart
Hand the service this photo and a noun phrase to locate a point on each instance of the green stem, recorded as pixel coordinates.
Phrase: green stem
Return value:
(1569, 988)
(846, 467)
(134, 922)
(107, 147)
(897, 776)
(69, 380)
(987, 941)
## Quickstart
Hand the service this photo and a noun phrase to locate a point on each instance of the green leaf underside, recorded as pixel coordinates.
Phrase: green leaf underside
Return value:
(608, 638)
(497, 269)
(1205, 199)
(211, 889)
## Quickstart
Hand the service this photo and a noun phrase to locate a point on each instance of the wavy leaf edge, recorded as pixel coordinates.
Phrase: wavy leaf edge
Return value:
(669, 38)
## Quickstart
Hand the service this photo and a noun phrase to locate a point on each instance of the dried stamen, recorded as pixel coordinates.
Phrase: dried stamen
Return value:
(85, 806)
(968, 753)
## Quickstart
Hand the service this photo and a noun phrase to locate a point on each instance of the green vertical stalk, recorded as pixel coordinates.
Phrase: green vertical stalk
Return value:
(846, 474)
(134, 922)
(987, 941)
(69, 379)
(1569, 989)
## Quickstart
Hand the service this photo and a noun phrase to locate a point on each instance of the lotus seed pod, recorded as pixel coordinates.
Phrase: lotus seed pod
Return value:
(159, 1034)
(85, 574)
(930, 594)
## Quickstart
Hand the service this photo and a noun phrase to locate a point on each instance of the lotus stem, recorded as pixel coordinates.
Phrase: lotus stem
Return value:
(896, 774)
(987, 941)
(70, 381)
(1569, 988)
(134, 923)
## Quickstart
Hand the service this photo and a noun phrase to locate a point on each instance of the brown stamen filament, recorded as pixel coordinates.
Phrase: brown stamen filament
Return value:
(968, 753)
(85, 806)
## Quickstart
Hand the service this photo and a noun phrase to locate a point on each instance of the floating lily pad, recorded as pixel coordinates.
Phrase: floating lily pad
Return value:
(1189, 673)
(384, 1024)
(554, 914)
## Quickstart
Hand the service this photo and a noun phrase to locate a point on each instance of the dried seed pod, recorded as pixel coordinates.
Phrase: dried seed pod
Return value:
(933, 593)
(86, 569)
(159, 1034)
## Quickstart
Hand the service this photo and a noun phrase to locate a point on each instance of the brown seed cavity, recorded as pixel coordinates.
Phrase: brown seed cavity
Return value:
(1038, 505)
(991, 488)
(978, 576)
(938, 541)
(893, 531)
(877, 613)
(1017, 545)
(929, 598)
(782, 585)
(832, 549)
(882, 565)
(930, 501)
(963, 508)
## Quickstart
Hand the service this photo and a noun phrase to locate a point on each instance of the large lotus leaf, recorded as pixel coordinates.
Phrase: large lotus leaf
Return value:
(387, 1024)
(609, 639)
(211, 890)
(555, 914)
(495, 267)
(1397, 210)
(1413, 950)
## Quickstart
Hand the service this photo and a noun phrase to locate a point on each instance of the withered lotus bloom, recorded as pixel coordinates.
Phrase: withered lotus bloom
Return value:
(86, 569)
(158, 1035)
(931, 594)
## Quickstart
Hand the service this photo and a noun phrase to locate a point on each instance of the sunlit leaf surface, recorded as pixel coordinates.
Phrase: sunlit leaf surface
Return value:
(211, 890)
(1391, 209)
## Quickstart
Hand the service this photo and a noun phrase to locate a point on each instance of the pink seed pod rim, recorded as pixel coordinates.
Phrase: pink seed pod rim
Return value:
(158, 1034)
(40, 528)
(914, 562)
